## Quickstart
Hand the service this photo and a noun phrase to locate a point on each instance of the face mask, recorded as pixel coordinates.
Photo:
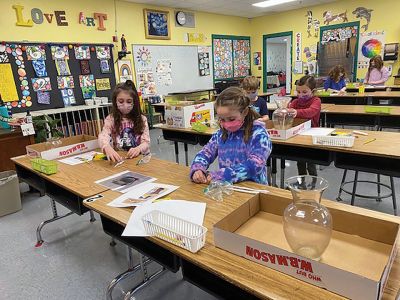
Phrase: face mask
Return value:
(252, 96)
(125, 108)
(305, 98)
(232, 126)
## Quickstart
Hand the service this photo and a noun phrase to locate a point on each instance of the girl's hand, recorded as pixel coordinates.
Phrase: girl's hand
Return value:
(112, 154)
(133, 152)
(199, 177)
(263, 118)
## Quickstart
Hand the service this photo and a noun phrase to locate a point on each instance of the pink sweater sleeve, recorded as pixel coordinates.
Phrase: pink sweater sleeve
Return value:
(385, 76)
(145, 137)
(105, 135)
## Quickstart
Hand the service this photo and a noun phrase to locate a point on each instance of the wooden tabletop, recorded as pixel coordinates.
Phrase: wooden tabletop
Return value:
(377, 94)
(252, 277)
(358, 110)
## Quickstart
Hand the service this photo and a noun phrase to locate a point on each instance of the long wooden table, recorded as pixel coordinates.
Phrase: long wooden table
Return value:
(224, 274)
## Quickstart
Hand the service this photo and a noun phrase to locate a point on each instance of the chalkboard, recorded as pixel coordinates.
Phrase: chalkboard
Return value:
(56, 100)
(184, 70)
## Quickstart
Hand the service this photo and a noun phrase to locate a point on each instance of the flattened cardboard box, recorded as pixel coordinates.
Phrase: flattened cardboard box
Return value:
(69, 146)
(356, 263)
(299, 125)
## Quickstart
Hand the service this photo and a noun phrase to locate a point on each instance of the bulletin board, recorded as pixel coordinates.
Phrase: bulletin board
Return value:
(231, 57)
(162, 69)
(37, 76)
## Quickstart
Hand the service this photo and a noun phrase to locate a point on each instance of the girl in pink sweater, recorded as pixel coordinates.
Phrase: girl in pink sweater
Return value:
(377, 73)
(125, 128)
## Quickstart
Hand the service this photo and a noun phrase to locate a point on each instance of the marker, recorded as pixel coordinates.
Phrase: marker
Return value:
(370, 141)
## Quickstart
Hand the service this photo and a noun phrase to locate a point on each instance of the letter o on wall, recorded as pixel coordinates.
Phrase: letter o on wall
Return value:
(37, 15)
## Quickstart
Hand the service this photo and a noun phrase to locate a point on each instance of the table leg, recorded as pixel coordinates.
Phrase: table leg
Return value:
(269, 177)
(282, 173)
(92, 218)
(274, 171)
(186, 154)
(176, 152)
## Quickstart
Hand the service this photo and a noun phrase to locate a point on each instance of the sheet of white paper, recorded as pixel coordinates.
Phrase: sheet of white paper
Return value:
(142, 193)
(317, 131)
(187, 210)
(79, 159)
(124, 181)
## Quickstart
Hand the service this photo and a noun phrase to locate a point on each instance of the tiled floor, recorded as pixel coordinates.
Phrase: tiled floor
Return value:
(76, 262)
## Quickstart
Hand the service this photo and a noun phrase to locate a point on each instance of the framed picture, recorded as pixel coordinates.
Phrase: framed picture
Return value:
(156, 23)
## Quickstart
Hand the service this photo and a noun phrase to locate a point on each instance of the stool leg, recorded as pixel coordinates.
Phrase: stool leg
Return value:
(341, 186)
(393, 195)
(379, 188)
(282, 173)
(353, 195)
(274, 171)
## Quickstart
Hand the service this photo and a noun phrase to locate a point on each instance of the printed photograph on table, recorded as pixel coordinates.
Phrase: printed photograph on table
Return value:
(65, 82)
(156, 24)
(82, 52)
(124, 181)
(43, 97)
(103, 52)
(59, 52)
(41, 84)
(3, 54)
(62, 67)
(104, 66)
(36, 52)
(223, 63)
(241, 58)
(85, 67)
(68, 97)
(40, 68)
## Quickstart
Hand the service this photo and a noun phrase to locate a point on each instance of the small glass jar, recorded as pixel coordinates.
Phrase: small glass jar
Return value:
(307, 224)
(283, 116)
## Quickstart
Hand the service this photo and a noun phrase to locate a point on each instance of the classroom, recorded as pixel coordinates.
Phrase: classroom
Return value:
(199, 149)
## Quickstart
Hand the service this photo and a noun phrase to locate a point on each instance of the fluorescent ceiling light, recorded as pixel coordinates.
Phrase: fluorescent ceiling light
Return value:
(271, 3)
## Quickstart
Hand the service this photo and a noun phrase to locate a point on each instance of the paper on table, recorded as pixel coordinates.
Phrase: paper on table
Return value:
(317, 131)
(143, 193)
(123, 181)
(186, 210)
(79, 159)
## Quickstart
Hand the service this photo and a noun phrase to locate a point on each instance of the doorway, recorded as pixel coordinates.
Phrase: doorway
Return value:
(277, 69)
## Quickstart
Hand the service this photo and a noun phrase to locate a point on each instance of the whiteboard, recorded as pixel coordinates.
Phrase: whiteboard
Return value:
(184, 67)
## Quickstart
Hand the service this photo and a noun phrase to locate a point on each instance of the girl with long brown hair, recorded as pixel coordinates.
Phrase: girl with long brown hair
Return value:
(377, 73)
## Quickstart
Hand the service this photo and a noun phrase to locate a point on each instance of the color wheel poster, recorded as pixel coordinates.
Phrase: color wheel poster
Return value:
(371, 44)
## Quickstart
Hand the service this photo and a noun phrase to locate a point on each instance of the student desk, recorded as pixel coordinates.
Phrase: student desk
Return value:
(68, 187)
(219, 272)
(376, 88)
(370, 98)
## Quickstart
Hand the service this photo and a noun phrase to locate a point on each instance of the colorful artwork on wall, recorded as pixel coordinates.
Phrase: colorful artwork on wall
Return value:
(223, 59)
(241, 58)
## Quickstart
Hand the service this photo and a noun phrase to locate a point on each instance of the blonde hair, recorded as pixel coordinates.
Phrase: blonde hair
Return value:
(250, 83)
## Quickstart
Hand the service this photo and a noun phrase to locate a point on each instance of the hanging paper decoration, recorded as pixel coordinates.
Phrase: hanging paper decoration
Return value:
(82, 52)
(68, 97)
(330, 17)
(223, 63)
(62, 67)
(339, 34)
(40, 68)
(41, 84)
(85, 67)
(59, 52)
(3, 54)
(103, 52)
(363, 13)
(65, 82)
(35, 52)
(43, 97)
(143, 57)
(241, 58)
(104, 66)
(311, 22)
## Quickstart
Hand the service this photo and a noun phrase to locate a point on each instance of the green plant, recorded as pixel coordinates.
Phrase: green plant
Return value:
(46, 126)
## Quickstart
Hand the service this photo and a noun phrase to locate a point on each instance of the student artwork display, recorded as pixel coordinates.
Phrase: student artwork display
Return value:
(143, 57)
(371, 44)
(241, 58)
(146, 82)
(104, 66)
(86, 82)
(163, 72)
(8, 90)
(312, 23)
(103, 52)
(363, 13)
(3, 54)
(68, 97)
(41, 84)
(103, 84)
(204, 61)
(43, 97)
(85, 67)
(59, 52)
(125, 70)
(82, 52)
(297, 38)
(339, 34)
(330, 17)
(257, 58)
(35, 52)
(65, 82)
(156, 24)
(62, 67)
(223, 60)
(40, 67)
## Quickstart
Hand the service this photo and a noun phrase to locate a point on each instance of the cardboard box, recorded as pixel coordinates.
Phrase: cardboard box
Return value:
(70, 146)
(356, 263)
(299, 125)
(182, 116)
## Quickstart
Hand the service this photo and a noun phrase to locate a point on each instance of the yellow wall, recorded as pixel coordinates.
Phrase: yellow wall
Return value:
(384, 17)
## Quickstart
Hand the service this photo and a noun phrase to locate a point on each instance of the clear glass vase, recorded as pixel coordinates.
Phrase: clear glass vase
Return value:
(283, 116)
(307, 224)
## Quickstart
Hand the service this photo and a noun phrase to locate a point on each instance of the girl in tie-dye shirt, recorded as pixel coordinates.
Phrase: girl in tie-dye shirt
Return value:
(242, 144)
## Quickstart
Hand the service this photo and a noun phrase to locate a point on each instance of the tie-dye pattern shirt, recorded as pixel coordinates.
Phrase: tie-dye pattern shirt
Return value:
(237, 160)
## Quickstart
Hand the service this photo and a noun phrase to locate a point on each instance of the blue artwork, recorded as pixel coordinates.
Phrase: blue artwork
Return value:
(157, 24)
(40, 68)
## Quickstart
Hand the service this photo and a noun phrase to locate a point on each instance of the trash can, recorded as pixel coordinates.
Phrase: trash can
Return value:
(10, 199)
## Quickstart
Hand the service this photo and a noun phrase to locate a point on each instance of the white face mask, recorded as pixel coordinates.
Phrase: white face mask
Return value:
(125, 108)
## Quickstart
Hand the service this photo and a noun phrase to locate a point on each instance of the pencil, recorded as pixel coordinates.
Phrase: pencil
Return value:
(369, 141)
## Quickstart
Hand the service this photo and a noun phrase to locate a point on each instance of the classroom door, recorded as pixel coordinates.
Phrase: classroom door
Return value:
(277, 49)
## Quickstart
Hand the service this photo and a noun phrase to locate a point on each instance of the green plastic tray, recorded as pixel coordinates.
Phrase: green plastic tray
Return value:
(45, 166)
(378, 109)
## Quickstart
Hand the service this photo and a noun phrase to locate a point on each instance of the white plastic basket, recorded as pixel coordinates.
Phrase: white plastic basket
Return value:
(334, 141)
(177, 231)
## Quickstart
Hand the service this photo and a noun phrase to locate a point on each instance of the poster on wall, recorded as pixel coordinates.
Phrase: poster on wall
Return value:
(124, 70)
(8, 90)
(370, 44)
(223, 62)
(163, 72)
(298, 46)
(241, 58)
(146, 83)
(339, 34)
(257, 58)
(204, 61)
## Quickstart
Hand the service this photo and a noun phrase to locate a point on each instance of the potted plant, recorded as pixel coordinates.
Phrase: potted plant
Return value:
(46, 127)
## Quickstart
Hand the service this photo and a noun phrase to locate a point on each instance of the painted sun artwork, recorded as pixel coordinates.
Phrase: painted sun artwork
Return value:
(143, 57)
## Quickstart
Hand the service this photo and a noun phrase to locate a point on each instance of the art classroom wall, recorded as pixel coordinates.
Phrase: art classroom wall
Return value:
(276, 57)
(384, 17)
